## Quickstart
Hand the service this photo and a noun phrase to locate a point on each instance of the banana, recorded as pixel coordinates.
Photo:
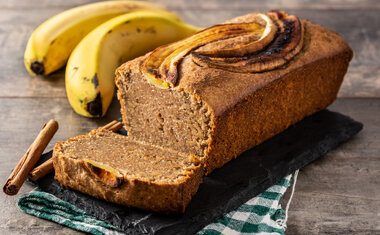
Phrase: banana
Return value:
(51, 43)
(91, 66)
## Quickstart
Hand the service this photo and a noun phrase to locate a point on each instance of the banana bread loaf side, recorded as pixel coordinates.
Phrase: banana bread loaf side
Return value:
(217, 114)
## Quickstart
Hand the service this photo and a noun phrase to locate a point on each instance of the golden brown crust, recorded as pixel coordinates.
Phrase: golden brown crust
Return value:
(161, 197)
(283, 97)
(223, 89)
(249, 108)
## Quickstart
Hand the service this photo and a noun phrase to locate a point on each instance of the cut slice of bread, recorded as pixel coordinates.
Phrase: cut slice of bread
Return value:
(118, 169)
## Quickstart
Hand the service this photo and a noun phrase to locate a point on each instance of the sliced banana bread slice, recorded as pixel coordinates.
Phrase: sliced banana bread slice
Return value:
(115, 168)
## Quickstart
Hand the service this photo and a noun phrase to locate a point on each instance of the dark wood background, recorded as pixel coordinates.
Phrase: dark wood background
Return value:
(339, 193)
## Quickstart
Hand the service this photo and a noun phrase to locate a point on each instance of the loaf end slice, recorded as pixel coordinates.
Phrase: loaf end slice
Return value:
(115, 168)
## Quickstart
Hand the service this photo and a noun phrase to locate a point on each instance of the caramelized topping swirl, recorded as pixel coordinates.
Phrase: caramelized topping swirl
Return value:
(284, 47)
(265, 43)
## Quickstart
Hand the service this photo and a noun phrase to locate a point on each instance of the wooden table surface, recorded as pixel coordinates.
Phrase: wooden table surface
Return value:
(340, 193)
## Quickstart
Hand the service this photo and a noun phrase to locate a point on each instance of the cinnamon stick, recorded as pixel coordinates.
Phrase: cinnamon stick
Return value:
(47, 167)
(42, 170)
(115, 127)
(30, 158)
(109, 125)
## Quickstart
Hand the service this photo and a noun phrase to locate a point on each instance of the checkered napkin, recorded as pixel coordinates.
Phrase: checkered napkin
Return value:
(260, 215)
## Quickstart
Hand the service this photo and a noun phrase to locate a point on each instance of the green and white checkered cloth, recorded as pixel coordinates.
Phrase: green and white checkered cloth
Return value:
(260, 215)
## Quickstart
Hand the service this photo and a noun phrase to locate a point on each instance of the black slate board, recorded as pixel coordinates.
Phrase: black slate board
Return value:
(228, 187)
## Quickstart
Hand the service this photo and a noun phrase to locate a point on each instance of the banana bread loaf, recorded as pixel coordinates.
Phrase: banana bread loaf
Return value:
(217, 112)
(112, 167)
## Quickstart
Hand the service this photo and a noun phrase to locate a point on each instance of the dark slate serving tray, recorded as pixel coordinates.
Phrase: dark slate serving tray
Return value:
(230, 186)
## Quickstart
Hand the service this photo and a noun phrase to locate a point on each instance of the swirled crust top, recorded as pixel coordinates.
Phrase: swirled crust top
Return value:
(221, 82)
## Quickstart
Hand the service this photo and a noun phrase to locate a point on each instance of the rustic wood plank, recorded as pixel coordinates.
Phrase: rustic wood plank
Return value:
(360, 28)
(28, 224)
(340, 193)
(311, 223)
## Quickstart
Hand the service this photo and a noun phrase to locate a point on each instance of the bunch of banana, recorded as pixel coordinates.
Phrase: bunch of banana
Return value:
(52, 42)
(98, 37)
